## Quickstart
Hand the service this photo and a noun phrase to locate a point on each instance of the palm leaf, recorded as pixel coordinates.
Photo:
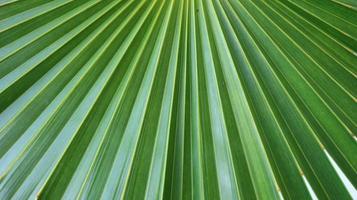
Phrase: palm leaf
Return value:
(219, 99)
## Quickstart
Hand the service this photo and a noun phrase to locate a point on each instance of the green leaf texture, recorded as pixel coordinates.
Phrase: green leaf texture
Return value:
(178, 99)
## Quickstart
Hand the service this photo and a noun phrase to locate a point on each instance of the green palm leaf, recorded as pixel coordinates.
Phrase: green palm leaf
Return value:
(191, 99)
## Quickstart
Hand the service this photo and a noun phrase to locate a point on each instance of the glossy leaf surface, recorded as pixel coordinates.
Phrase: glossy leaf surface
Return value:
(190, 99)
